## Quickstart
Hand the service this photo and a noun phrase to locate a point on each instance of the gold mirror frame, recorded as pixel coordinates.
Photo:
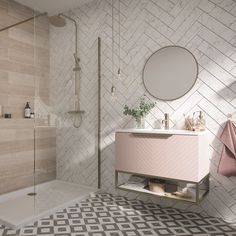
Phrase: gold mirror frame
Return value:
(194, 79)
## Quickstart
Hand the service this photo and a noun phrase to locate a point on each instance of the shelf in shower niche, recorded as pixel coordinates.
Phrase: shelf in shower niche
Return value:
(76, 112)
(20, 123)
(45, 126)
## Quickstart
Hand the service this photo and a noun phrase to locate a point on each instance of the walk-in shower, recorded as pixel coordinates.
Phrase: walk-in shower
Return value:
(57, 163)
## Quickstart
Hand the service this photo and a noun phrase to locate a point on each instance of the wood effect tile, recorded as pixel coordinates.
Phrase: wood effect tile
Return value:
(17, 165)
(20, 52)
(3, 100)
(4, 4)
(20, 101)
(45, 164)
(20, 79)
(42, 23)
(3, 77)
(44, 177)
(3, 18)
(43, 143)
(45, 132)
(21, 35)
(18, 11)
(14, 183)
(16, 134)
(3, 43)
(16, 124)
(42, 57)
(16, 146)
(7, 65)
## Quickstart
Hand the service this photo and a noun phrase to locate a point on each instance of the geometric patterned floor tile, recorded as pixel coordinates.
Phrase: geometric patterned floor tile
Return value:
(110, 215)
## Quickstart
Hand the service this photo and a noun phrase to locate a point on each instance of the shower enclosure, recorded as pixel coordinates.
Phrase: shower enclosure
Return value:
(51, 160)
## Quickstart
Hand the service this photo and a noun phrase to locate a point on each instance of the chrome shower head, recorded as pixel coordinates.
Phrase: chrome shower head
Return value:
(57, 21)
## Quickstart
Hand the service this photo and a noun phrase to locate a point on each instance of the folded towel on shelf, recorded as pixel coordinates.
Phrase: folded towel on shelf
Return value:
(137, 181)
(227, 165)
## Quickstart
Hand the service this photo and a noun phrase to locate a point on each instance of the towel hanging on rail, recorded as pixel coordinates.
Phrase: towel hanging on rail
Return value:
(227, 165)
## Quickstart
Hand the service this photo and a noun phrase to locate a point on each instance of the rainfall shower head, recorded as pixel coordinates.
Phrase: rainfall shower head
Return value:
(57, 21)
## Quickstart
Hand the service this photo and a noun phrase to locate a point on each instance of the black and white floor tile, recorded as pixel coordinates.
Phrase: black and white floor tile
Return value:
(109, 215)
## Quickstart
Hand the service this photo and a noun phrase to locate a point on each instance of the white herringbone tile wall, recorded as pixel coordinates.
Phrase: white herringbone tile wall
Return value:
(206, 27)
(76, 148)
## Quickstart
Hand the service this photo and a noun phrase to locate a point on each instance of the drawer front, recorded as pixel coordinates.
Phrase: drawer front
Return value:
(169, 156)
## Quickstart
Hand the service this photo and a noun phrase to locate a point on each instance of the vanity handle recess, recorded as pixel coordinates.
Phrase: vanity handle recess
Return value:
(152, 135)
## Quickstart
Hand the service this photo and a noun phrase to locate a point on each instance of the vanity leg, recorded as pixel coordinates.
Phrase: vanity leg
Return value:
(207, 182)
(204, 185)
(116, 178)
(197, 193)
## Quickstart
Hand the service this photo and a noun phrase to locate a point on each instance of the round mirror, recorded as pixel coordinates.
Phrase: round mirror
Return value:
(170, 72)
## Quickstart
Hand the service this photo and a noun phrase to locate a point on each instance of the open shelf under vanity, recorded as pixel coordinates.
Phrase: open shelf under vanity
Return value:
(167, 157)
(200, 188)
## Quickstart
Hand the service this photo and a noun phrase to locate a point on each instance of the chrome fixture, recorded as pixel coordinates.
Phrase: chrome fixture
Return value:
(112, 51)
(99, 150)
(113, 90)
(59, 21)
(113, 87)
(119, 69)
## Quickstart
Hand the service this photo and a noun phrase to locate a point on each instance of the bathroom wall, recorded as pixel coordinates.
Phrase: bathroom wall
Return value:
(24, 69)
(208, 30)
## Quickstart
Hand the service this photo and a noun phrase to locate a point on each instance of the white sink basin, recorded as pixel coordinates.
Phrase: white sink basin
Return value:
(161, 131)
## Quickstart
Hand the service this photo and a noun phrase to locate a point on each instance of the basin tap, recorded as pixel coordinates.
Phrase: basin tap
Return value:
(166, 121)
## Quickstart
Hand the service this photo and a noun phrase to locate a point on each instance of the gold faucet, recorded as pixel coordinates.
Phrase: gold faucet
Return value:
(166, 121)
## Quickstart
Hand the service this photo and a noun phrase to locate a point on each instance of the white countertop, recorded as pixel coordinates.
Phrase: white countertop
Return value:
(161, 131)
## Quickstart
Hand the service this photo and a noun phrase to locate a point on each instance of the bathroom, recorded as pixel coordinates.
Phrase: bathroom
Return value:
(64, 156)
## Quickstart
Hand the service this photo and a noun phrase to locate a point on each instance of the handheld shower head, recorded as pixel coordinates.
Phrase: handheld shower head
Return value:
(77, 60)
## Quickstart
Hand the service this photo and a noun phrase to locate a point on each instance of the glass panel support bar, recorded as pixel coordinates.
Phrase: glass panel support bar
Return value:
(24, 21)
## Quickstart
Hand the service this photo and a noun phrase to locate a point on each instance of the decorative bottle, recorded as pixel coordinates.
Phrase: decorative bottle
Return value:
(27, 110)
(201, 122)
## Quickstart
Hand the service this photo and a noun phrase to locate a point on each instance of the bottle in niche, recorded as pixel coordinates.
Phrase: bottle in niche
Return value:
(27, 110)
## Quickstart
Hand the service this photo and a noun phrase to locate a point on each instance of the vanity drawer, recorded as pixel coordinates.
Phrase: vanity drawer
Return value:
(180, 157)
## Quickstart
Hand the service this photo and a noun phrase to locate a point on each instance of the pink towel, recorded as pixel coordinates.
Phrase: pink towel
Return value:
(227, 164)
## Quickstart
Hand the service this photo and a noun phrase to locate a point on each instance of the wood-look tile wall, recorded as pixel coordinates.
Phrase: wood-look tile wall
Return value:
(24, 74)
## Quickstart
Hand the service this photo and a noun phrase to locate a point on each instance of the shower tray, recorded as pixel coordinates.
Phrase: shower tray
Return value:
(18, 209)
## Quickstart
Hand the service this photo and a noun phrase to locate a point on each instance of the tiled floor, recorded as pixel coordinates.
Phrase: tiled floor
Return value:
(105, 214)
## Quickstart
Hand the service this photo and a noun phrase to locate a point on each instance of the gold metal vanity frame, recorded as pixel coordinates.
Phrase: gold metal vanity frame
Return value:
(204, 181)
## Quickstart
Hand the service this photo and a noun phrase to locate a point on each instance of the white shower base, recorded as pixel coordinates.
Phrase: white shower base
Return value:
(18, 209)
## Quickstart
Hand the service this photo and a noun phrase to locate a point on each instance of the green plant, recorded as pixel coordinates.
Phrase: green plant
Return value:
(139, 112)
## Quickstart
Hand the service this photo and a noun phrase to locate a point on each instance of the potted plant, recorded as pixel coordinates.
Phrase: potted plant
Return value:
(139, 112)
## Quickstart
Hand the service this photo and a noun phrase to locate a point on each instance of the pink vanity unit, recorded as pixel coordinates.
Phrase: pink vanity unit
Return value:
(177, 156)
